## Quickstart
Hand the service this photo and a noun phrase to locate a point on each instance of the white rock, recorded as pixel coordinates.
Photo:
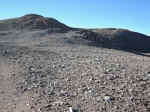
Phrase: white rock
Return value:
(107, 98)
(70, 109)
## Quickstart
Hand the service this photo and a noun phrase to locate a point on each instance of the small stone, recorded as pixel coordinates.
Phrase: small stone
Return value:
(98, 98)
(70, 109)
(32, 69)
(74, 94)
(28, 104)
(108, 98)
(117, 65)
(58, 103)
(148, 75)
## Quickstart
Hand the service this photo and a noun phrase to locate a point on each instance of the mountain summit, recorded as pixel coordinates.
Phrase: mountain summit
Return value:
(32, 22)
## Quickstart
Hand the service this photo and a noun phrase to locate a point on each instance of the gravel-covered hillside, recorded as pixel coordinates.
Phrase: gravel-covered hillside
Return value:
(52, 71)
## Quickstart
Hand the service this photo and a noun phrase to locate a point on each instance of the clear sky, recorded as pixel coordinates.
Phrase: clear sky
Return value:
(129, 14)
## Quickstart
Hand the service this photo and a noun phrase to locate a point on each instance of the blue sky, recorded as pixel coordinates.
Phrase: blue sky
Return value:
(129, 14)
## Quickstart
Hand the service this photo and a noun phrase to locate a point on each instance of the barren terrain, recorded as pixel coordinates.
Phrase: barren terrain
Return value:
(46, 69)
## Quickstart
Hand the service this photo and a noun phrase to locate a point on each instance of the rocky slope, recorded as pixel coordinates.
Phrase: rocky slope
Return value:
(109, 37)
(32, 22)
(43, 70)
(118, 39)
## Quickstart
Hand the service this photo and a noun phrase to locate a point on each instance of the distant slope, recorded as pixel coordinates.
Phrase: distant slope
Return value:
(118, 39)
(109, 37)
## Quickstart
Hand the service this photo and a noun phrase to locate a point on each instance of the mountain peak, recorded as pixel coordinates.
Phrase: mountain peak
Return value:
(32, 22)
(32, 15)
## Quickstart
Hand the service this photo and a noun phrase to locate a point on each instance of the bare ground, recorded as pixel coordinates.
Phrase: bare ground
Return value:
(46, 75)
